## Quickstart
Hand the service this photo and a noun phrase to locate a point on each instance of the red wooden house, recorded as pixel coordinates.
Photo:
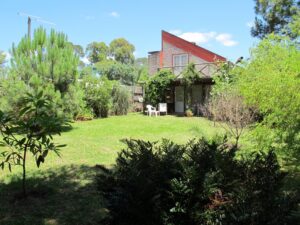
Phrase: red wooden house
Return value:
(175, 54)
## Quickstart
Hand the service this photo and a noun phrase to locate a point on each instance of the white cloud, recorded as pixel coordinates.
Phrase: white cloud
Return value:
(114, 14)
(198, 37)
(226, 40)
(206, 37)
(8, 56)
(85, 60)
(250, 24)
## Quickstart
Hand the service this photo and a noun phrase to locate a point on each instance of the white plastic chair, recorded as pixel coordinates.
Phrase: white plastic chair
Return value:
(151, 110)
(162, 108)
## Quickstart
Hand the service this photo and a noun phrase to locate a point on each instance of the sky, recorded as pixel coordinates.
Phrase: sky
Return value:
(218, 25)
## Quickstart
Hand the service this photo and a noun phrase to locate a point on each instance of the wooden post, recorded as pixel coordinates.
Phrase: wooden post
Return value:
(29, 28)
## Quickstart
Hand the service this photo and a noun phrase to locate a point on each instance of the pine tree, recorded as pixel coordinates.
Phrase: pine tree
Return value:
(48, 62)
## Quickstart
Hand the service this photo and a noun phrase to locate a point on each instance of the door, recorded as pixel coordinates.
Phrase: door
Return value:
(179, 99)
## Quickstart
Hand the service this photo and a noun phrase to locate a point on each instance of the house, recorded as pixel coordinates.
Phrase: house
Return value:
(175, 54)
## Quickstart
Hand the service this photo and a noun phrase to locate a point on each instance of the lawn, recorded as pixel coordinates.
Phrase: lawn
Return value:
(63, 189)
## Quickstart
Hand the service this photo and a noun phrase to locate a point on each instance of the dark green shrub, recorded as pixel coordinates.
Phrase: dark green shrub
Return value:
(198, 183)
(137, 189)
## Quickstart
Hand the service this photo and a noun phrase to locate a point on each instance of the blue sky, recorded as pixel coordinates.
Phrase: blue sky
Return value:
(220, 26)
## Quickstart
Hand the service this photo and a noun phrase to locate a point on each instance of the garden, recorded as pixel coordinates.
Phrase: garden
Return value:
(73, 149)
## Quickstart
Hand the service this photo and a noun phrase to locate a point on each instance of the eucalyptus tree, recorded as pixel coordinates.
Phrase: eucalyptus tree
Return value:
(122, 51)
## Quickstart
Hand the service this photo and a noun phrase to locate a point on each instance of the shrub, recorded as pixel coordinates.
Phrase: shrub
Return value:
(189, 113)
(30, 132)
(120, 100)
(155, 91)
(85, 114)
(197, 183)
(98, 95)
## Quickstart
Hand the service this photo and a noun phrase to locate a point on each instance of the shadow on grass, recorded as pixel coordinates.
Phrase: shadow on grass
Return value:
(67, 128)
(66, 195)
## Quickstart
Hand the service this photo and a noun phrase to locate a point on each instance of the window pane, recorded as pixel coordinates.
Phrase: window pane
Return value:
(184, 60)
(176, 60)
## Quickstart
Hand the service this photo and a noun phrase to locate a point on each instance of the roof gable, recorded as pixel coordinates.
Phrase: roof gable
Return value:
(191, 48)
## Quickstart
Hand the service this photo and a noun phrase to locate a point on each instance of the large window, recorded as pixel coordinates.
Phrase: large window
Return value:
(179, 62)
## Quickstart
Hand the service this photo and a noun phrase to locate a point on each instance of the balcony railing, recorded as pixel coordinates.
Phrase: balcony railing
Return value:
(206, 69)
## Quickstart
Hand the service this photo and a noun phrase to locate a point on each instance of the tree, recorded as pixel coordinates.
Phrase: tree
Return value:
(48, 62)
(270, 82)
(30, 132)
(2, 58)
(294, 26)
(97, 52)
(230, 110)
(227, 106)
(113, 70)
(141, 65)
(2, 62)
(274, 16)
(122, 51)
(79, 51)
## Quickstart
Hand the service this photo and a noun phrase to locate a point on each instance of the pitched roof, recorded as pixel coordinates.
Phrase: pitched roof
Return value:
(191, 47)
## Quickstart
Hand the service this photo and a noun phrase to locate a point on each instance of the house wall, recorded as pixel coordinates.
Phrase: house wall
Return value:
(201, 65)
(169, 50)
(153, 63)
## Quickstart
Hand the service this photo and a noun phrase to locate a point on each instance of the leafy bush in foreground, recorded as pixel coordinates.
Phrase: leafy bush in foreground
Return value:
(29, 133)
(197, 183)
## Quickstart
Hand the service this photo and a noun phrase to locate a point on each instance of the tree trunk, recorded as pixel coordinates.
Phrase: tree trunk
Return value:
(24, 173)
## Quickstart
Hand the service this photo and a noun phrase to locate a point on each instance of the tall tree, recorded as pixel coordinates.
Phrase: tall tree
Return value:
(295, 24)
(122, 51)
(97, 51)
(141, 65)
(48, 62)
(274, 16)
(78, 49)
(270, 82)
(2, 62)
(2, 58)
(113, 70)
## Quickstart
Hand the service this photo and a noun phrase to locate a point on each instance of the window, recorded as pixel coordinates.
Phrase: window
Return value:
(179, 62)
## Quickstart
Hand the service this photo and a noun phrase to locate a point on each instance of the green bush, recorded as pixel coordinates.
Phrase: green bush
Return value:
(197, 183)
(98, 95)
(29, 133)
(156, 87)
(120, 100)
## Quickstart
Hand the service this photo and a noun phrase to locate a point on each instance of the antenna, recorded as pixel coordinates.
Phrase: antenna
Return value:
(35, 18)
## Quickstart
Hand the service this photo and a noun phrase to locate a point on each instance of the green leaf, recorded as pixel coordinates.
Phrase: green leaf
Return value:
(39, 160)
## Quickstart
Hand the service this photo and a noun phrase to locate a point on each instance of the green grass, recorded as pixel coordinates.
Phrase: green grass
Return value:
(63, 189)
